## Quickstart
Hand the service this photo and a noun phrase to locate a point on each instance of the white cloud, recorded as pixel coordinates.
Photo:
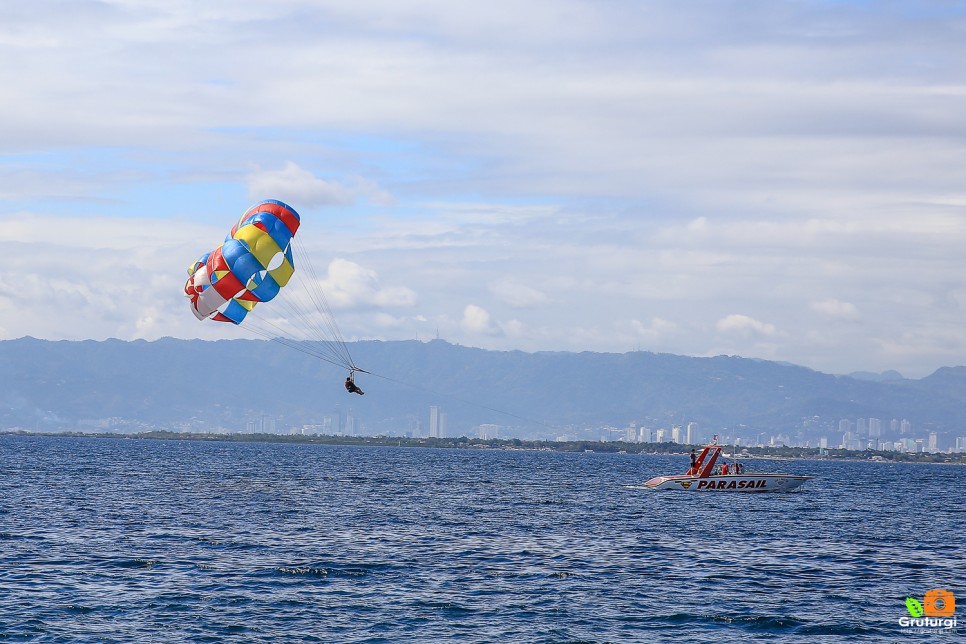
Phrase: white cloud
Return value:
(102, 233)
(387, 321)
(147, 323)
(658, 328)
(514, 329)
(836, 309)
(350, 285)
(744, 325)
(292, 184)
(518, 295)
(476, 320)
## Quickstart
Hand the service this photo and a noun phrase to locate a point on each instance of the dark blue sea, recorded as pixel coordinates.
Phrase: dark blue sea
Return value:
(125, 540)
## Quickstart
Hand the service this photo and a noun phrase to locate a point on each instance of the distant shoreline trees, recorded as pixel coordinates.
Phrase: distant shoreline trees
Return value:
(463, 442)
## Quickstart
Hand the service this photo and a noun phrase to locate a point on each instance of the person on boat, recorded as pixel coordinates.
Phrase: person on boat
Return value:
(694, 461)
(724, 469)
(738, 467)
(351, 386)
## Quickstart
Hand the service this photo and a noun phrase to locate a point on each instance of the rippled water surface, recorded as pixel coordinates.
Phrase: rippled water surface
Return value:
(137, 540)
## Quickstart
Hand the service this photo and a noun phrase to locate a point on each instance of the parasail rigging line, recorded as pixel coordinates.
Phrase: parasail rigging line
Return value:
(305, 347)
(301, 317)
(312, 287)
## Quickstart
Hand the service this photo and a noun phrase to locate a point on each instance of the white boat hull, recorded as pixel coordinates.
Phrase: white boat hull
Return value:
(729, 482)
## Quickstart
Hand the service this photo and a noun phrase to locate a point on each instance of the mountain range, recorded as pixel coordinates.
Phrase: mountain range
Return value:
(227, 385)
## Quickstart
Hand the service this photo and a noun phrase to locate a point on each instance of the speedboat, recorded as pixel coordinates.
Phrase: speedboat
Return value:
(703, 476)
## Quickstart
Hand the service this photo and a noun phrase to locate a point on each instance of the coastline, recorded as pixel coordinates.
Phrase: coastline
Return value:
(463, 442)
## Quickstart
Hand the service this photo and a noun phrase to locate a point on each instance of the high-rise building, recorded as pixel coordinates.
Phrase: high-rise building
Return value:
(264, 425)
(845, 425)
(875, 427)
(676, 434)
(851, 441)
(488, 431)
(692, 434)
(905, 427)
(436, 420)
(861, 427)
(646, 435)
(350, 424)
(933, 442)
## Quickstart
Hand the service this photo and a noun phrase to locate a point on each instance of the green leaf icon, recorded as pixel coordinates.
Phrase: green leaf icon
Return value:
(914, 607)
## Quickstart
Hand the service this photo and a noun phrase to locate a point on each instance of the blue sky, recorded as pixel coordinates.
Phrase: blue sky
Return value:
(779, 180)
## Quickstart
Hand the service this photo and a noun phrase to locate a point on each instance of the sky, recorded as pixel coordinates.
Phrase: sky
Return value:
(783, 180)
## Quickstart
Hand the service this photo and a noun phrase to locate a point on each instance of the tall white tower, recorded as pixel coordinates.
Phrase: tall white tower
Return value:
(435, 422)
(875, 427)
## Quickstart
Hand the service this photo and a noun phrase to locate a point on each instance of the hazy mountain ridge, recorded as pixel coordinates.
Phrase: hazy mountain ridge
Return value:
(885, 376)
(223, 384)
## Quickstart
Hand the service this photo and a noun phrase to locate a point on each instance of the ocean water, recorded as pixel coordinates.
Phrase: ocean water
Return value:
(122, 540)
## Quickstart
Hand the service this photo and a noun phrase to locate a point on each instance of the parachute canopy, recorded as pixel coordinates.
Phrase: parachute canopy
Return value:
(255, 264)
(252, 265)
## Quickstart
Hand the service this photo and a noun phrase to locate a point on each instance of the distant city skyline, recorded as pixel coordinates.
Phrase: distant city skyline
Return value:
(866, 435)
(901, 438)
(868, 438)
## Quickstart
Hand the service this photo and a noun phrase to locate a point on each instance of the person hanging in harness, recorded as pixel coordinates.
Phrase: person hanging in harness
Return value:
(351, 386)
